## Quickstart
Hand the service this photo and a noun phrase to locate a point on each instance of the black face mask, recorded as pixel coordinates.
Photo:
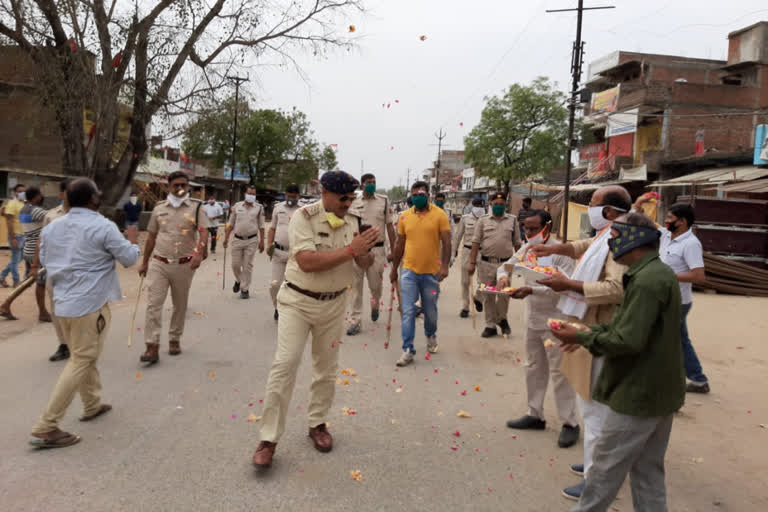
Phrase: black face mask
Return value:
(672, 226)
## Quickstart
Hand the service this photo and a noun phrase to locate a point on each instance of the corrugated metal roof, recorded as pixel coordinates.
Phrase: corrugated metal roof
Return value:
(754, 187)
(714, 176)
(581, 186)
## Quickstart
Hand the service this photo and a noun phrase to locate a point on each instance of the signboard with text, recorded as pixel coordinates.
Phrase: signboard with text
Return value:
(605, 101)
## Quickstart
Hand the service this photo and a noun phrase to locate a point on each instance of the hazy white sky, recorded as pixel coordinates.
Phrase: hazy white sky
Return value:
(473, 49)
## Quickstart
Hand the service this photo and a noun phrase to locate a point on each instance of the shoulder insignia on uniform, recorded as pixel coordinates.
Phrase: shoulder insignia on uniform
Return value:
(312, 209)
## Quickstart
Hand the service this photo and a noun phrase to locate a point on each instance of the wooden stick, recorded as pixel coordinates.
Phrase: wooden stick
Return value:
(224, 271)
(389, 316)
(472, 301)
(18, 291)
(135, 308)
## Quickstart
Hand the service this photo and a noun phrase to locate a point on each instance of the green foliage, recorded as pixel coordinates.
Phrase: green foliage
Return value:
(277, 147)
(397, 193)
(521, 134)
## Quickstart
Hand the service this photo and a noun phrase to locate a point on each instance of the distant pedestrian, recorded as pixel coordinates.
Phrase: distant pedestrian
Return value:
(376, 212)
(10, 212)
(132, 211)
(424, 248)
(215, 213)
(79, 253)
(279, 239)
(642, 382)
(525, 212)
(247, 223)
(496, 238)
(176, 241)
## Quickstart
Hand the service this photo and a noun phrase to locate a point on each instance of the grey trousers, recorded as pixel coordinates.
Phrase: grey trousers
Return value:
(634, 445)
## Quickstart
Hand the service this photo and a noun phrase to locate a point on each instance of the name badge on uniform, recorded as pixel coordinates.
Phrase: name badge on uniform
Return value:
(323, 234)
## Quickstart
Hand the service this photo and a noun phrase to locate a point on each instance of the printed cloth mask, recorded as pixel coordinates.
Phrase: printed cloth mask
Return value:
(334, 220)
(630, 238)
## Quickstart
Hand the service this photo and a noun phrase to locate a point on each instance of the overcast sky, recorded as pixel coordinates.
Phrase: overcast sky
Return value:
(473, 49)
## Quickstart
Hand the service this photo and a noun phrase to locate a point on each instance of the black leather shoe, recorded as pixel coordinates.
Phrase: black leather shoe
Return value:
(276, 315)
(489, 332)
(695, 387)
(244, 294)
(505, 327)
(374, 315)
(528, 422)
(236, 287)
(464, 313)
(568, 436)
(478, 306)
(61, 353)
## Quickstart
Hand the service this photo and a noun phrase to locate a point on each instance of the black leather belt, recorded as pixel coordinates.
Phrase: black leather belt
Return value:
(380, 244)
(180, 261)
(493, 260)
(246, 237)
(467, 246)
(278, 246)
(315, 295)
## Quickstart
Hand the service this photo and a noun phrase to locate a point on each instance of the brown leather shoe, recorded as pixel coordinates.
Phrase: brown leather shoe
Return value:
(262, 458)
(322, 438)
(151, 355)
(174, 348)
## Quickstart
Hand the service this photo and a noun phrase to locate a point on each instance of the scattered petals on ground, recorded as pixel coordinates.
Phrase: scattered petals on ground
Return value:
(463, 414)
(356, 475)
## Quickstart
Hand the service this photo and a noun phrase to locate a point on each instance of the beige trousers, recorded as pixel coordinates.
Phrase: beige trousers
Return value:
(495, 306)
(374, 275)
(162, 276)
(243, 252)
(544, 363)
(465, 291)
(299, 316)
(279, 261)
(85, 337)
(56, 323)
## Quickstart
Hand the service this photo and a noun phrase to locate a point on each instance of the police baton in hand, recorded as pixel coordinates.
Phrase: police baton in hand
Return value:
(389, 317)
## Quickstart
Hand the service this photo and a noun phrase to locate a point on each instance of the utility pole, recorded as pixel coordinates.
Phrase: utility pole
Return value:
(577, 60)
(408, 181)
(440, 136)
(237, 80)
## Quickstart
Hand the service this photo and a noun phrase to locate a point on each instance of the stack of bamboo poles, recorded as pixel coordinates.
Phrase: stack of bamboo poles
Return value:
(727, 276)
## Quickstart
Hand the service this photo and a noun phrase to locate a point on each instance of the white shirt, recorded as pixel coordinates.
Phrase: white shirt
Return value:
(79, 251)
(212, 211)
(682, 254)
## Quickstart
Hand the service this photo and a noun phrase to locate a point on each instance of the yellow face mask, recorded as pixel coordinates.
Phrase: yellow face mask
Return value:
(334, 221)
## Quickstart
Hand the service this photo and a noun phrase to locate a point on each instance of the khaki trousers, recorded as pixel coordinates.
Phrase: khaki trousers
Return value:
(56, 323)
(465, 291)
(161, 277)
(543, 364)
(299, 316)
(495, 306)
(243, 252)
(374, 274)
(279, 261)
(85, 337)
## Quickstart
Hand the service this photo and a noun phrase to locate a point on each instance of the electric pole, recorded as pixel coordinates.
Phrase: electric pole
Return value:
(408, 181)
(237, 80)
(577, 60)
(440, 136)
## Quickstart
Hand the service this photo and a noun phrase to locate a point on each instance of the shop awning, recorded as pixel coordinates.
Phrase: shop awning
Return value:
(754, 187)
(715, 176)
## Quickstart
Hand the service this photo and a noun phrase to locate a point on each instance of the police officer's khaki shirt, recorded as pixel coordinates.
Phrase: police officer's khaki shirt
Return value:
(497, 236)
(310, 231)
(465, 232)
(246, 221)
(281, 217)
(375, 211)
(175, 228)
(53, 214)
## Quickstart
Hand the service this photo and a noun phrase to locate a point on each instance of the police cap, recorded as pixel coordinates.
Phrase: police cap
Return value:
(339, 182)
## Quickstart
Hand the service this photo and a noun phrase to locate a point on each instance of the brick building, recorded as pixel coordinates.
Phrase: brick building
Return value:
(647, 109)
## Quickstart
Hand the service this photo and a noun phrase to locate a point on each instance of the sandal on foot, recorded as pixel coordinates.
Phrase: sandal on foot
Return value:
(105, 408)
(60, 440)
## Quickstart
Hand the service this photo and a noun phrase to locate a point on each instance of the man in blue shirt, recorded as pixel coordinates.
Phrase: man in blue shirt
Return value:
(79, 252)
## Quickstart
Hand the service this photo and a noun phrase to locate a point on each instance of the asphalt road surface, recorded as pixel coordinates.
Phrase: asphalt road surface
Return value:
(179, 437)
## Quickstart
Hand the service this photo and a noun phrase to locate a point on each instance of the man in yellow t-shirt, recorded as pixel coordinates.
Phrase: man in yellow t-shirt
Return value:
(422, 230)
(10, 212)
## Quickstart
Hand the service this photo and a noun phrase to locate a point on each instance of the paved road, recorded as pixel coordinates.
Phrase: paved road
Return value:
(179, 439)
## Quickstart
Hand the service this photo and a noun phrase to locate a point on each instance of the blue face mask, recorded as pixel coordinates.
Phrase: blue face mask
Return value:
(498, 209)
(370, 188)
(419, 201)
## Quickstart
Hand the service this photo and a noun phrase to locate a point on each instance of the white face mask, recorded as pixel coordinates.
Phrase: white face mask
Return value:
(538, 239)
(21, 196)
(478, 211)
(250, 198)
(134, 199)
(177, 201)
(596, 217)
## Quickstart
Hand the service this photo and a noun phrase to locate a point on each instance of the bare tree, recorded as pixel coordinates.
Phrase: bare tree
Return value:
(152, 58)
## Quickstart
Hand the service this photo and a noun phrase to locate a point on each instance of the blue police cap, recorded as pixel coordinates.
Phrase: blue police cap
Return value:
(339, 182)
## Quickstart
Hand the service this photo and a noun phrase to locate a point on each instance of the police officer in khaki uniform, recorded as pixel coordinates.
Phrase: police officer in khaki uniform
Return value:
(324, 242)
(496, 238)
(463, 240)
(247, 222)
(375, 211)
(178, 235)
(278, 240)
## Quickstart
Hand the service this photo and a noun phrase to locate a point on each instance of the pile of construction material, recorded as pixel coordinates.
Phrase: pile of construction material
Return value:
(728, 276)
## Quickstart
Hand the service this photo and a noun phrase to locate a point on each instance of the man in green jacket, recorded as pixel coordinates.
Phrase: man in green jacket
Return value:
(642, 380)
